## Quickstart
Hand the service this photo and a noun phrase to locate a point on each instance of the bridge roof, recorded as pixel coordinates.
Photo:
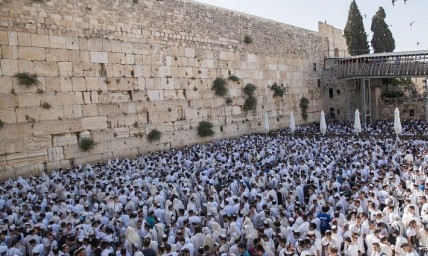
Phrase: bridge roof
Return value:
(389, 54)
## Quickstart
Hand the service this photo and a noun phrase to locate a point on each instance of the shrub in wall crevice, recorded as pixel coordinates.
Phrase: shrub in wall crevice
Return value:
(205, 129)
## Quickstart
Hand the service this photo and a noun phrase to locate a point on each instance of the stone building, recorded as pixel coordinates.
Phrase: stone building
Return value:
(115, 70)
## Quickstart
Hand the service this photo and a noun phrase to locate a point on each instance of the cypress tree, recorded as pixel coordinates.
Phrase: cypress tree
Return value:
(382, 40)
(355, 34)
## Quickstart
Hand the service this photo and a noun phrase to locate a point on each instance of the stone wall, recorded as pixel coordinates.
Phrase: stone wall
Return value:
(114, 70)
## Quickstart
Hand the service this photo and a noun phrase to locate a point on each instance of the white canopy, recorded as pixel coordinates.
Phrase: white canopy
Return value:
(323, 125)
(397, 123)
(357, 122)
(292, 122)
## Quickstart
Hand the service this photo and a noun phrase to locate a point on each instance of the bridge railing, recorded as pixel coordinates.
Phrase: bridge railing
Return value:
(385, 66)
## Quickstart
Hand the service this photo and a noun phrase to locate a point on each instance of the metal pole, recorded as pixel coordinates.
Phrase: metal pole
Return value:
(363, 101)
(426, 92)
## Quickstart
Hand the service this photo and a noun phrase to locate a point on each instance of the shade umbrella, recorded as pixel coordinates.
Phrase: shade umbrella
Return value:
(292, 123)
(266, 122)
(357, 122)
(323, 125)
(397, 123)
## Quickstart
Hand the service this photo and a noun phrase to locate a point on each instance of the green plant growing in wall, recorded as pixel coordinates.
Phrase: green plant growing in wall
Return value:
(1, 124)
(135, 1)
(219, 87)
(229, 101)
(278, 91)
(249, 89)
(46, 105)
(248, 39)
(153, 135)
(233, 78)
(27, 79)
(250, 103)
(205, 129)
(86, 144)
(304, 104)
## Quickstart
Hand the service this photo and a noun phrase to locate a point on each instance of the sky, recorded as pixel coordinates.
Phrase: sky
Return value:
(307, 14)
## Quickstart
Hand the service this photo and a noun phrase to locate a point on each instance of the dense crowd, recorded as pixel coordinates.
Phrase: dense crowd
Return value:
(275, 194)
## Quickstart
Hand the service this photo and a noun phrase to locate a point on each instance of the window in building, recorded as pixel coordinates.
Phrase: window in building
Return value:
(319, 82)
(332, 115)
(411, 112)
(338, 92)
(338, 111)
(330, 92)
(315, 66)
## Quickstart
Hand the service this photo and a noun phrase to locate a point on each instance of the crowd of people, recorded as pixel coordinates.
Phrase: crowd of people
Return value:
(260, 194)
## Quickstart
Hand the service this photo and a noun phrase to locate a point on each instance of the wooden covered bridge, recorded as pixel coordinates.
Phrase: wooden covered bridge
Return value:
(384, 65)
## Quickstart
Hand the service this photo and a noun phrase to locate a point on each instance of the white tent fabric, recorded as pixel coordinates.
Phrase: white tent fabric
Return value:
(292, 123)
(323, 125)
(357, 122)
(266, 122)
(397, 123)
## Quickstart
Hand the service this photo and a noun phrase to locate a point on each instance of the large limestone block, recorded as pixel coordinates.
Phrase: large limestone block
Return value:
(79, 84)
(99, 57)
(6, 85)
(57, 127)
(25, 159)
(57, 42)
(4, 39)
(45, 68)
(29, 99)
(117, 97)
(64, 140)
(92, 83)
(9, 67)
(90, 110)
(38, 40)
(72, 43)
(9, 52)
(94, 44)
(31, 53)
(65, 68)
(38, 143)
(94, 123)
(189, 52)
(13, 38)
(8, 115)
(55, 154)
(191, 113)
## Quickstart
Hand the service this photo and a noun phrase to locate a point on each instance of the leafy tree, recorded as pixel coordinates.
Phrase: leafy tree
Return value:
(355, 34)
(382, 40)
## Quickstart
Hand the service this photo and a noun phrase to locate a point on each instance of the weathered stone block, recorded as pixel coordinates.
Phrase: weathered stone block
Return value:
(4, 38)
(24, 39)
(79, 84)
(94, 123)
(65, 68)
(9, 67)
(55, 154)
(99, 57)
(57, 42)
(8, 115)
(38, 40)
(92, 83)
(45, 68)
(94, 44)
(72, 43)
(9, 52)
(32, 53)
(64, 140)
(90, 110)
(13, 38)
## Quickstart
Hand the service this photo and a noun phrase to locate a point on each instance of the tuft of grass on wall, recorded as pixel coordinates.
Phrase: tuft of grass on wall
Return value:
(205, 129)
(86, 144)
(278, 91)
(27, 79)
(153, 135)
(219, 87)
